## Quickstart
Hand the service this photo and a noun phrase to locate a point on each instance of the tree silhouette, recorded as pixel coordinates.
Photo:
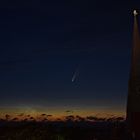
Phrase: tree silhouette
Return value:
(79, 118)
(7, 117)
(15, 119)
(70, 118)
(92, 118)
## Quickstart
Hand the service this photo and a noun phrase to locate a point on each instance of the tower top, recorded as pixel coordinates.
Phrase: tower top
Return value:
(135, 12)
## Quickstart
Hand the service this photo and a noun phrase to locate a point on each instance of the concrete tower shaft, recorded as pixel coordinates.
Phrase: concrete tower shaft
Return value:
(133, 104)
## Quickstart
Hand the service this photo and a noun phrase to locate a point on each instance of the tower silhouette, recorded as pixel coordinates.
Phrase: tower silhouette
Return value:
(133, 103)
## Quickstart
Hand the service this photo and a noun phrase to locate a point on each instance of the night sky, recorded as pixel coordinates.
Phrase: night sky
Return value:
(43, 45)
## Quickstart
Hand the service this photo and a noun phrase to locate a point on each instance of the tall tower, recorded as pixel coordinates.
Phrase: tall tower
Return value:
(133, 104)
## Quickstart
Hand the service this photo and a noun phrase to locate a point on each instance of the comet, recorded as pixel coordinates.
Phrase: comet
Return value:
(74, 75)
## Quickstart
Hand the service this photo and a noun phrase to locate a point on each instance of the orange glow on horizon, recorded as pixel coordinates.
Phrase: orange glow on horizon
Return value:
(58, 114)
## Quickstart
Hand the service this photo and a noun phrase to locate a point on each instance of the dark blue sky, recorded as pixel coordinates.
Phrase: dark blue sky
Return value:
(43, 44)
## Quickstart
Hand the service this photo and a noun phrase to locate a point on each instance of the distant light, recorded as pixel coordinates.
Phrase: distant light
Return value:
(135, 13)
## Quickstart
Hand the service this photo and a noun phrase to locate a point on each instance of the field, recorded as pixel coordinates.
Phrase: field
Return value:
(63, 130)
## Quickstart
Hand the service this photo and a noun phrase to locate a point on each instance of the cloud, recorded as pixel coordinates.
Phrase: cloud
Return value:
(69, 111)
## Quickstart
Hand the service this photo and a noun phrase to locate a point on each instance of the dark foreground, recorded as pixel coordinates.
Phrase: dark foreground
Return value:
(63, 131)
